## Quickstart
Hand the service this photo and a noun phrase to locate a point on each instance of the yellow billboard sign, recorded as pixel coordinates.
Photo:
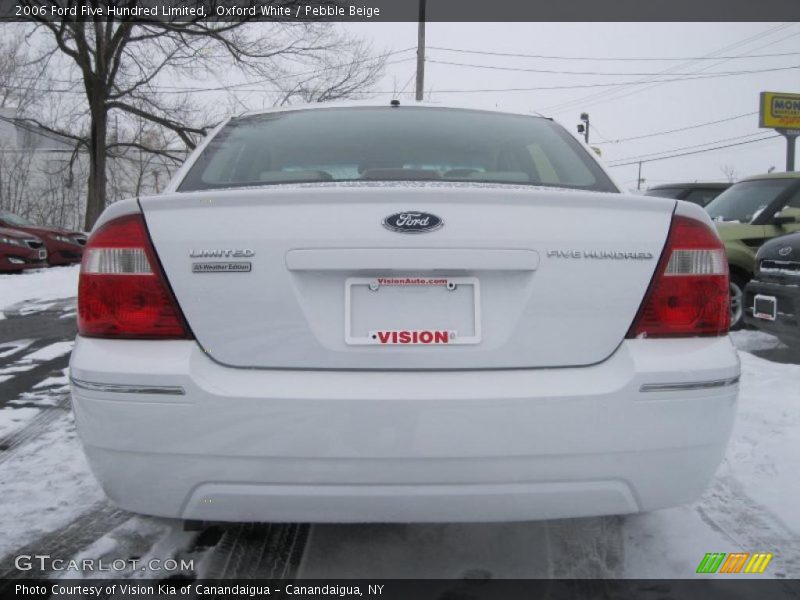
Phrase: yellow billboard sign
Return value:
(779, 110)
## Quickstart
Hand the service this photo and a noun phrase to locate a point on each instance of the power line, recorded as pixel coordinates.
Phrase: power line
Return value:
(608, 95)
(594, 73)
(699, 125)
(607, 58)
(696, 151)
(405, 85)
(614, 95)
(583, 86)
(597, 131)
(728, 139)
(611, 95)
(169, 90)
(450, 91)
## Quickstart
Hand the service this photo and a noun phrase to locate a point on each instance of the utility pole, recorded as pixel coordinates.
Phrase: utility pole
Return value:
(790, 135)
(584, 127)
(639, 178)
(421, 51)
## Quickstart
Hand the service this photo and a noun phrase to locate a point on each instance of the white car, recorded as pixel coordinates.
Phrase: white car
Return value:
(401, 313)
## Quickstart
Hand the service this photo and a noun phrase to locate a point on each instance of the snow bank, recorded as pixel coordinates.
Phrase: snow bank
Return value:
(39, 285)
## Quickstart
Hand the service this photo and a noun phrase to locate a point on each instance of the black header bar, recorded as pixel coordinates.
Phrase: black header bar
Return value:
(404, 10)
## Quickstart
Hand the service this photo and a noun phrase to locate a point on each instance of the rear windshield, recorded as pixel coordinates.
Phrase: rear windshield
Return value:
(394, 144)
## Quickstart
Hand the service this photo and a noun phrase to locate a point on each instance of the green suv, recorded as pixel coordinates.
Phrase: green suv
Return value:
(747, 214)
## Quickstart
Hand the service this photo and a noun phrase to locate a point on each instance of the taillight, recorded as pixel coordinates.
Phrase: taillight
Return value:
(689, 294)
(122, 291)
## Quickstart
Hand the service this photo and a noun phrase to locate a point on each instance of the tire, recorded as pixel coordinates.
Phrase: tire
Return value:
(737, 300)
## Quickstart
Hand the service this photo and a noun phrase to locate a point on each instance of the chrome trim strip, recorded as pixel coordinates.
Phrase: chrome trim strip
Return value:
(688, 385)
(173, 390)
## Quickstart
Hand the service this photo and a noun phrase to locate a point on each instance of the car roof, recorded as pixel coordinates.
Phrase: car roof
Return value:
(694, 184)
(781, 175)
(387, 104)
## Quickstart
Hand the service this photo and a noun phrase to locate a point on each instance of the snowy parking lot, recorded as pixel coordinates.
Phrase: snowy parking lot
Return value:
(49, 501)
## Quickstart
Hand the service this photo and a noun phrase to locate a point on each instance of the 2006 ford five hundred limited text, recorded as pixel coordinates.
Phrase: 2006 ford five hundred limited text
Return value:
(401, 313)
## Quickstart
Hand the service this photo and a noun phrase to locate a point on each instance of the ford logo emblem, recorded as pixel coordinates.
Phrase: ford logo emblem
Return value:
(785, 251)
(412, 221)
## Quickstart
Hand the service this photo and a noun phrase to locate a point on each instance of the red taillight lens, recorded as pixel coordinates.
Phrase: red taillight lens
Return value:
(122, 291)
(689, 294)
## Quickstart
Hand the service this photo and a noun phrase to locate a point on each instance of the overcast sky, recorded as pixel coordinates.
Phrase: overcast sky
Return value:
(623, 111)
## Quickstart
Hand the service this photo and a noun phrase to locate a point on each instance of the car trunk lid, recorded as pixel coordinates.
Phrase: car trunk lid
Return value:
(516, 277)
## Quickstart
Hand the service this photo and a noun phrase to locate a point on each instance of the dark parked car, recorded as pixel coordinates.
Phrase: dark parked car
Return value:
(753, 211)
(699, 193)
(64, 247)
(772, 298)
(20, 250)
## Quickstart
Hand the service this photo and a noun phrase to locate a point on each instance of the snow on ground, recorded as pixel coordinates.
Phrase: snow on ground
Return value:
(51, 382)
(18, 411)
(39, 286)
(45, 485)
(9, 348)
(45, 394)
(52, 351)
(14, 419)
(752, 340)
(765, 452)
(21, 295)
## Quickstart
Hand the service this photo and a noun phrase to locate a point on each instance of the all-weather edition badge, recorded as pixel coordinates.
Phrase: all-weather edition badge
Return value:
(222, 267)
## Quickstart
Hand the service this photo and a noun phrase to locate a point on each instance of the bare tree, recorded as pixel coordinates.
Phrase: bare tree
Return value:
(21, 76)
(15, 175)
(331, 80)
(729, 171)
(137, 171)
(54, 197)
(141, 69)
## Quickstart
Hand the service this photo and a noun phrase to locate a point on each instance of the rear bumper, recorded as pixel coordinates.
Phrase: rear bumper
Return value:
(61, 253)
(69, 256)
(337, 446)
(786, 325)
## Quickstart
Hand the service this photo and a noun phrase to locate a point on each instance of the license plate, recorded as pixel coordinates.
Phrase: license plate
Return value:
(42, 254)
(765, 307)
(412, 311)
